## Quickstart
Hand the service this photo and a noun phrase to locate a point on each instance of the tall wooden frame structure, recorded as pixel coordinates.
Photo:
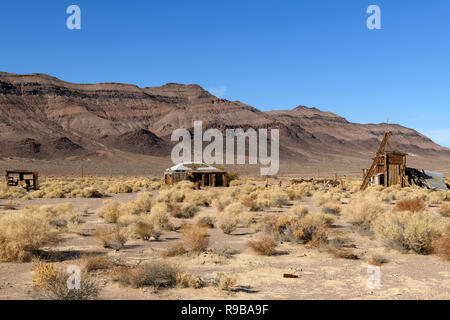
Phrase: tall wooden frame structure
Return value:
(388, 167)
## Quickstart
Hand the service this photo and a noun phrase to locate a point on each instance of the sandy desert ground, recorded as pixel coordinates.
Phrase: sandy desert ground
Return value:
(325, 236)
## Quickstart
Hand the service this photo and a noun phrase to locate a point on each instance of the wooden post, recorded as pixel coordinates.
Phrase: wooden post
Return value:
(203, 180)
(386, 168)
(36, 181)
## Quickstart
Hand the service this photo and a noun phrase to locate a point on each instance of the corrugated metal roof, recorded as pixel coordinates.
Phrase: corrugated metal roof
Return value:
(192, 166)
(435, 180)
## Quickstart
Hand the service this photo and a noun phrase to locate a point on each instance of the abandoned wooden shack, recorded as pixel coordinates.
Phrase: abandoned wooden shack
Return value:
(200, 173)
(388, 167)
(26, 179)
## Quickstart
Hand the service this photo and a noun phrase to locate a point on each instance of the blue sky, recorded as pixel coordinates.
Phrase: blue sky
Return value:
(269, 54)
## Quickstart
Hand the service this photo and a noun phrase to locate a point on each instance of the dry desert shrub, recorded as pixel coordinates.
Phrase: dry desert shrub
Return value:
(222, 202)
(362, 211)
(125, 220)
(411, 205)
(111, 237)
(185, 185)
(52, 283)
(198, 198)
(120, 187)
(60, 216)
(279, 198)
(110, 211)
(377, 260)
(251, 204)
(228, 222)
(299, 210)
(145, 230)
(205, 220)
(264, 246)
(235, 209)
(196, 238)
(187, 280)
(172, 195)
(236, 183)
(144, 202)
(330, 208)
(445, 210)
(157, 274)
(159, 216)
(406, 230)
(321, 198)
(342, 253)
(442, 244)
(174, 250)
(311, 229)
(22, 234)
(227, 282)
(95, 262)
(248, 219)
(184, 211)
(87, 193)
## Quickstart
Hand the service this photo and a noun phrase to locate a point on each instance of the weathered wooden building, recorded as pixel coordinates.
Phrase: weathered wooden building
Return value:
(388, 167)
(27, 179)
(200, 173)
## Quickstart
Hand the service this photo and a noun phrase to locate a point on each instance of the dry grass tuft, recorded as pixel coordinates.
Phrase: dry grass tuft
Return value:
(264, 246)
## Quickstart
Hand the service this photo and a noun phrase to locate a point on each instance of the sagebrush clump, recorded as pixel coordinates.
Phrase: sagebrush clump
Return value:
(406, 230)
(263, 246)
(23, 233)
(52, 283)
(196, 238)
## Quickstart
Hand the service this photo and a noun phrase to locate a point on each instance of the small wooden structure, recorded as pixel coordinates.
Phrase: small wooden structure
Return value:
(388, 167)
(200, 173)
(27, 179)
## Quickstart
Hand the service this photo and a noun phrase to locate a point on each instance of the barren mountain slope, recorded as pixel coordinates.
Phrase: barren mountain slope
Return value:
(45, 118)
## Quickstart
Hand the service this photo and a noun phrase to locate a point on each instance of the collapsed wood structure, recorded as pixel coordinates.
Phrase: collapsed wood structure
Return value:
(200, 173)
(26, 179)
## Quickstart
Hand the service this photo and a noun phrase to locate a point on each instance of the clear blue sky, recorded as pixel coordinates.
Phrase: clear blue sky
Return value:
(269, 54)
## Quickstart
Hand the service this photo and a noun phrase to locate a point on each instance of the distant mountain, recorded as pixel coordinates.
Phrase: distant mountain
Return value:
(44, 118)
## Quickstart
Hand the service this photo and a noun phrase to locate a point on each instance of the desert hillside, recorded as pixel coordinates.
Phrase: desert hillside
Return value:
(53, 125)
